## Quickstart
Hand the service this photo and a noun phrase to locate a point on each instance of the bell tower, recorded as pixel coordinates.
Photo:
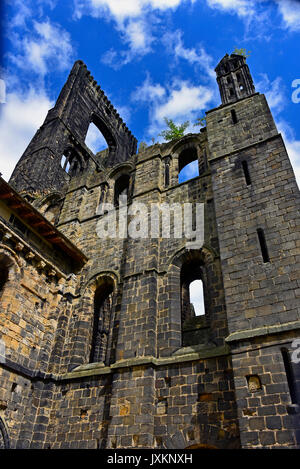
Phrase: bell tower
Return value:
(234, 78)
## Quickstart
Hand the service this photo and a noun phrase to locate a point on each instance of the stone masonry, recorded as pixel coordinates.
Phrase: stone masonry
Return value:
(166, 378)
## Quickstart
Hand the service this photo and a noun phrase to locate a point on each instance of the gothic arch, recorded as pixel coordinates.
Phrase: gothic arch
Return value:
(81, 334)
(177, 335)
(119, 170)
(105, 130)
(206, 254)
(185, 143)
(96, 280)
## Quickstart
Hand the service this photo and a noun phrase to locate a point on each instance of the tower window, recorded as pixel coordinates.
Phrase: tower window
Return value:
(289, 375)
(188, 165)
(192, 296)
(121, 188)
(197, 297)
(246, 172)
(234, 116)
(94, 139)
(102, 316)
(263, 245)
(65, 164)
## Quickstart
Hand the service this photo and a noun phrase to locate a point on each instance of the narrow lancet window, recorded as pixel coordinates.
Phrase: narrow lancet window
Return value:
(246, 172)
(263, 245)
(234, 116)
(167, 173)
(102, 317)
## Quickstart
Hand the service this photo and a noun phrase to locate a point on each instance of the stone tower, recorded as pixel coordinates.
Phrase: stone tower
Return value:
(101, 347)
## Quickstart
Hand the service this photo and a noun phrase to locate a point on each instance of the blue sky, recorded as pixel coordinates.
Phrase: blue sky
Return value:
(153, 58)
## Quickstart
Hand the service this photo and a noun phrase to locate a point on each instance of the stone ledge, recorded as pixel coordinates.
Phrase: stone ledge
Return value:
(261, 331)
(184, 354)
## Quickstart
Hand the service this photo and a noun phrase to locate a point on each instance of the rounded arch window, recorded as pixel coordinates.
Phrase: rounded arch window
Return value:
(188, 166)
(103, 300)
(197, 297)
(121, 189)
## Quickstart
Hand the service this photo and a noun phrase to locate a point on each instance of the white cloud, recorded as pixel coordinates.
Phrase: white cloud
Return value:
(179, 101)
(292, 146)
(183, 101)
(134, 20)
(195, 56)
(21, 116)
(120, 10)
(290, 11)
(47, 45)
(243, 8)
(274, 91)
(149, 91)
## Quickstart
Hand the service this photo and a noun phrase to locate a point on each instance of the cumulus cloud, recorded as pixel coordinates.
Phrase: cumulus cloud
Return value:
(183, 100)
(21, 116)
(133, 19)
(244, 8)
(45, 46)
(290, 11)
(179, 101)
(274, 91)
(120, 10)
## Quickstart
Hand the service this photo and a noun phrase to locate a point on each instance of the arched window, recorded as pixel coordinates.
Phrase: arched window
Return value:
(197, 297)
(94, 139)
(102, 315)
(188, 166)
(121, 188)
(71, 163)
(193, 319)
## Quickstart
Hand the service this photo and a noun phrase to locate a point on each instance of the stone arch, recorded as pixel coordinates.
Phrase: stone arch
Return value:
(193, 334)
(187, 150)
(4, 437)
(107, 133)
(74, 162)
(118, 170)
(122, 181)
(207, 254)
(84, 315)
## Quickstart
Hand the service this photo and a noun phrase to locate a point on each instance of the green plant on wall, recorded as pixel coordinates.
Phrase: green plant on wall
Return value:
(174, 132)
